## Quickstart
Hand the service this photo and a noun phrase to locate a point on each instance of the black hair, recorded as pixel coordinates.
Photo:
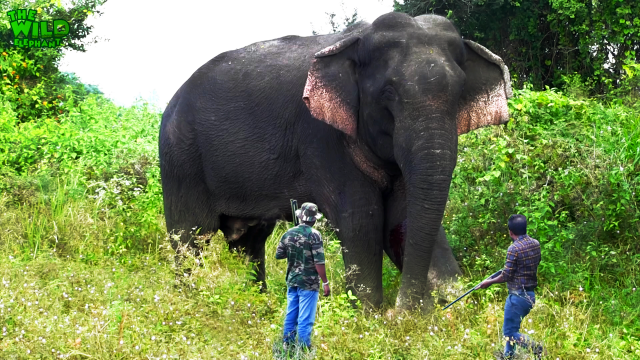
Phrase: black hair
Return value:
(518, 224)
(309, 223)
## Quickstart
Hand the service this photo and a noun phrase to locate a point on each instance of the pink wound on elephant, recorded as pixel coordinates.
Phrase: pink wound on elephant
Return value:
(325, 104)
(489, 108)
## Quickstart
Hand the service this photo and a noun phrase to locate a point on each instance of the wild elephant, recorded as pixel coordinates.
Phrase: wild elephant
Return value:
(364, 123)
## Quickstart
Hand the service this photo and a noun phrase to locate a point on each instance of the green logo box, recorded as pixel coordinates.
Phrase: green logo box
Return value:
(29, 33)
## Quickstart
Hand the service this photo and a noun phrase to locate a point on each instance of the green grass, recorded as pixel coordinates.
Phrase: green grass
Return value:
(88, 304)
(87, 271)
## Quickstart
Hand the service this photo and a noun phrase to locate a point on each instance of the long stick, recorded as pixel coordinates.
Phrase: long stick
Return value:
(496, 274)
(294, 207)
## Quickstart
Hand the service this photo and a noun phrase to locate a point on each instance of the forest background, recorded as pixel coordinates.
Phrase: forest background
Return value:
(86, 268)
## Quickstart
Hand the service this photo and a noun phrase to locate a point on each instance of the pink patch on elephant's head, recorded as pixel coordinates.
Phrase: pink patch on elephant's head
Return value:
(486, 109)
(326, 104)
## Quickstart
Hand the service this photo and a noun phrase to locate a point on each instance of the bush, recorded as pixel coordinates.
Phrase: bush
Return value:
(571, 166)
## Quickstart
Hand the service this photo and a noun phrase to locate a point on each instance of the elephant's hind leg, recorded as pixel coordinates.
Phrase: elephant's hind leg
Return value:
(189, 213)
(252, 243)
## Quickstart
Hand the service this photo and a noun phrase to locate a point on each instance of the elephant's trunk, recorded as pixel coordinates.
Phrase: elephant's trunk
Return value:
(427, 157)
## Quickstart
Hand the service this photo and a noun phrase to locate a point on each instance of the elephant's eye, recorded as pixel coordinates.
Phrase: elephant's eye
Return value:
(388, 93)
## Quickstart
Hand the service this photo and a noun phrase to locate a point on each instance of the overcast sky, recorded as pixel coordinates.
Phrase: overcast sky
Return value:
(155, 45)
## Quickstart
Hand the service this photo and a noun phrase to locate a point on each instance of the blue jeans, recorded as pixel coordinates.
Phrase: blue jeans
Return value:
(301, 314)
(516, 308)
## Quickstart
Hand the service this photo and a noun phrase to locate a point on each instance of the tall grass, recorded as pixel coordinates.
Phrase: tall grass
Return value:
(87, 270)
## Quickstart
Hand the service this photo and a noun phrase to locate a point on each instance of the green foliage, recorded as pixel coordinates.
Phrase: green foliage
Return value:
(571, 166)
(543, 40)
(88, 270)
(31, 83)
(347, 21)
(93, 208)
(75, 13)
(130, 307)
(110, 152)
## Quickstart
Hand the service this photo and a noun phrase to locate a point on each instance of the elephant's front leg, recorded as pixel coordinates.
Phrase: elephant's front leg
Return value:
(444, 268)
(360, 230)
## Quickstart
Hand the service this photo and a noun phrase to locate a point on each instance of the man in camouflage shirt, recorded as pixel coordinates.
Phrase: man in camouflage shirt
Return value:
(520, 274)
(302, 247)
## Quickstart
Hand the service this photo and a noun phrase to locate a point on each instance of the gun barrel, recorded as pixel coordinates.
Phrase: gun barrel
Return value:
(494, 275)
(456, 300)
(294, 207)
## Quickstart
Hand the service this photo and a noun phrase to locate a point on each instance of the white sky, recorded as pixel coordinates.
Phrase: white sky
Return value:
(155, 45)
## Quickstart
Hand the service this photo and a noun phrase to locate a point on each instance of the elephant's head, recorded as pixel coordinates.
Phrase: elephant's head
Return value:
(406, 88)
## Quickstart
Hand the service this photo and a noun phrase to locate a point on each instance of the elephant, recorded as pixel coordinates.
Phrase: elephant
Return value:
(364, 123)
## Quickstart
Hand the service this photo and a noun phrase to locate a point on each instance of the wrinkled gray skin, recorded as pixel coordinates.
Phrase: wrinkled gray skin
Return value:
(363, 123)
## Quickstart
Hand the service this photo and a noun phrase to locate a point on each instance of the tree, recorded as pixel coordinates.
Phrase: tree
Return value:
(546, 41)
(31, 81)
(347, 21)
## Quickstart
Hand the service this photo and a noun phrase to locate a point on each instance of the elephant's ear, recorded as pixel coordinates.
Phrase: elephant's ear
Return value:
(486, 89)
(331, 92)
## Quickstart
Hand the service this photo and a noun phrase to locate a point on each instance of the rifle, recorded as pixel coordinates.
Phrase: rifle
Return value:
(294, 207)
(495, 275)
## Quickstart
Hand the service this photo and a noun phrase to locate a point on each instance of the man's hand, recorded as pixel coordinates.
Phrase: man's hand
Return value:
(488, 282)
(323, 276)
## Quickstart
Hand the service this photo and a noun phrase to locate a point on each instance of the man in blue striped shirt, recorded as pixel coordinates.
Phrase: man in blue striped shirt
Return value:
(520, 274)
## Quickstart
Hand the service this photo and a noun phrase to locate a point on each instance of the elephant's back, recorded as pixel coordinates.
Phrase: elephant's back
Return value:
(253, 95)
(235, 121)
(251, 84)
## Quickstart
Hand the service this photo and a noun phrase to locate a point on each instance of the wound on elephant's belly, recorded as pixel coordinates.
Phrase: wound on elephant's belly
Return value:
(484, 109)
(396, 242)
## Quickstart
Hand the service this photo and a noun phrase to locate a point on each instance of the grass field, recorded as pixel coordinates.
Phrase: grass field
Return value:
(130, 307)
(87, 271)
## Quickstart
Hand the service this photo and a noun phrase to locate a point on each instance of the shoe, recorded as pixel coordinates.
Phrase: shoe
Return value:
(283, 350)
(539, 352)
(499, 355)
(288, 347)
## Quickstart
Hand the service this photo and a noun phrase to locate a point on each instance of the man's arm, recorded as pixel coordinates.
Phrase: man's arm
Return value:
(323, 275)
(507, 272)
(510, 264)
(317, 252)
(496, 280)
(281, 250)
(322, 272)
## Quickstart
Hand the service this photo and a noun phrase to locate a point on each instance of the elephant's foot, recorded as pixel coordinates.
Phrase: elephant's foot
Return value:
(414, 298)
(424, 298)
(444, 269)
(370, 298)
(443, 272)
(260, 274)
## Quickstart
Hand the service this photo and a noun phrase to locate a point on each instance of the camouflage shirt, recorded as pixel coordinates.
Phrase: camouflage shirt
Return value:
(302, 247)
